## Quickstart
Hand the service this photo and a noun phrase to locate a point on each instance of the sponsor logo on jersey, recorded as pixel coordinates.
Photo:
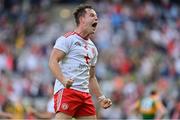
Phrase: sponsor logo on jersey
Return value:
(77, 44)
(82, 66)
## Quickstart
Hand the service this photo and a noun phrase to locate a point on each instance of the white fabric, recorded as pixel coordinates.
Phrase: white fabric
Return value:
(74, 65)
(50, 106)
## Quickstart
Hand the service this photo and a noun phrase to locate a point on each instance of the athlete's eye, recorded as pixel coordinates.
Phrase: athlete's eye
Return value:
(92, 15)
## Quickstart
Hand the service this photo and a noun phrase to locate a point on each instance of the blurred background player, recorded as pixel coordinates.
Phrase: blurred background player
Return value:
(150, 107)
(75, 75)
(138, 42)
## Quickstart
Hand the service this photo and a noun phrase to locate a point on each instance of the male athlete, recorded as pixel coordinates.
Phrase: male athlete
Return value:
(72, 62)
(150, 107)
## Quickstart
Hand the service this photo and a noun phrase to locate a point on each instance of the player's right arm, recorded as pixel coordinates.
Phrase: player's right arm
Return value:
(135, 107)
(55, 57)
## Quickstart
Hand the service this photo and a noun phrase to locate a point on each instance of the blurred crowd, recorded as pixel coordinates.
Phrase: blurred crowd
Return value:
(139, 50)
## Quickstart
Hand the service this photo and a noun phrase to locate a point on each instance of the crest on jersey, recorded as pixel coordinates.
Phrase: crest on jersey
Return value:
(64, 106)
(87, 58)
(77, 43)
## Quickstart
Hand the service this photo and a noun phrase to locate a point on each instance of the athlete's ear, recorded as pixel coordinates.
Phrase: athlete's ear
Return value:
(81, 19)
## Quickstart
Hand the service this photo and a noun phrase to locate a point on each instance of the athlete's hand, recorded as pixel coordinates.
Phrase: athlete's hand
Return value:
(68, 83)
(105, 103)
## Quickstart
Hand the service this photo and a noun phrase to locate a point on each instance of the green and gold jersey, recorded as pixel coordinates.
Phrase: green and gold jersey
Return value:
(148, 107)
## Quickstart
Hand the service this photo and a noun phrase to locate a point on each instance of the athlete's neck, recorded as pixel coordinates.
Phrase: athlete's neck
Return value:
(82, 33)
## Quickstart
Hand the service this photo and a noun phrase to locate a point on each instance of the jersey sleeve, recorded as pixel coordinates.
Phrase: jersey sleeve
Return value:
(62, 44)
(94, 60)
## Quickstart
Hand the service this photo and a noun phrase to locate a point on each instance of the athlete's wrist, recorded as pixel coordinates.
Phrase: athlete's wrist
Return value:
(100, 98)
(64, 81)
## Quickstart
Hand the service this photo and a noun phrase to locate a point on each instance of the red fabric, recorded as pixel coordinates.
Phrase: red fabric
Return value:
(170, 47)
(68, 34)
(9, 62)
(125, 66)
(74, 103)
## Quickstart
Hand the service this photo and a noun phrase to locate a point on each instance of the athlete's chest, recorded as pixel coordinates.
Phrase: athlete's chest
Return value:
(83, 50)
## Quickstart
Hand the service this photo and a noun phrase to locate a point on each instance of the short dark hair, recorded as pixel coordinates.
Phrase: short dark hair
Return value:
(153, 92)
(80, 11)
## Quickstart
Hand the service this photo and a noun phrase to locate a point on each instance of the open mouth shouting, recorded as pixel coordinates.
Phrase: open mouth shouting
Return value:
(94, 24)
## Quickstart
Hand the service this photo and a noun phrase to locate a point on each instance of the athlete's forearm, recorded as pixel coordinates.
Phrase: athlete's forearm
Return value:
(55, 57)
(56, 70)
(6, 115)
(94, 87)
(93, 84)
(162, 112)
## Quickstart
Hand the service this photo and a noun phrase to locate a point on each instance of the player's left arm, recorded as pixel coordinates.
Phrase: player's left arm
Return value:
(95, 89)
(161, 109)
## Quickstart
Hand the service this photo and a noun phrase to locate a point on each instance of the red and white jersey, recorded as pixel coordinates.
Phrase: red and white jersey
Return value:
(80, 55)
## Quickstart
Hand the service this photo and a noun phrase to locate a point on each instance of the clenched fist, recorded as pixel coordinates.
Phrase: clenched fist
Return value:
(67, 83)
(105, 102)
